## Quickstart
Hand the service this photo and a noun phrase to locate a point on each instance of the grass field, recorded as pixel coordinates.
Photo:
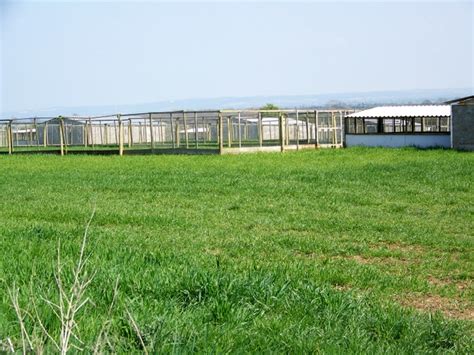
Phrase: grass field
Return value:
(354, 250)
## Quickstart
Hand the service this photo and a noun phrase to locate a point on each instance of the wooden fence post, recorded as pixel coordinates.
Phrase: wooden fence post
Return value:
(229, 132)
(91, 132)
(246, 130)
(130, 133)
(152, 139)
(204, 133)
(185, 130)
(342, 128)
(116, 134)
(10, 138)
(172, 129)
(106, 134)
(85, 134)
(260, 130)
(121, 136)
(316, 127)
(35, 124)
(45, 134)
(140, 133)
(31, 135)
(282, 132)
(196, 130)
(178, 138)
(239, 132)
(297, 131)
(61, 134)
(220, 133)
(307, 128)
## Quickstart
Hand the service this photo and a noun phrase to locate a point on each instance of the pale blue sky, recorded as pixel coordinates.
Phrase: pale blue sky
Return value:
(96, 53)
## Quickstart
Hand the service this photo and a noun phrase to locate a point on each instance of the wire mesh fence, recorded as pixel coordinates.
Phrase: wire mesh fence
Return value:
(224, 131)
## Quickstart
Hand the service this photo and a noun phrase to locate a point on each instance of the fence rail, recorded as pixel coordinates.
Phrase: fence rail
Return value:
(178, 132)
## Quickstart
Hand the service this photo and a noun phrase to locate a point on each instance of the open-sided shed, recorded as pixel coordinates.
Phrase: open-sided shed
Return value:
(398, 126)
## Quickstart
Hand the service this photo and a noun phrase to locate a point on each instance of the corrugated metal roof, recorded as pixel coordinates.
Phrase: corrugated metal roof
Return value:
(404, 111)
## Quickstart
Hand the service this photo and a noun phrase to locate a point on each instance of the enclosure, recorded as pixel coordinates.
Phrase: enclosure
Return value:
(187, 132)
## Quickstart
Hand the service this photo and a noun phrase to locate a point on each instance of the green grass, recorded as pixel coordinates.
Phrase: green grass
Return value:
(354, 250)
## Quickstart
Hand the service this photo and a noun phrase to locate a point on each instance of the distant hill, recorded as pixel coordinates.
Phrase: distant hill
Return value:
(336, 100)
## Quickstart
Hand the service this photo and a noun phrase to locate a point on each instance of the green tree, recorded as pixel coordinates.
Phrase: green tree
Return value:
(269, 107)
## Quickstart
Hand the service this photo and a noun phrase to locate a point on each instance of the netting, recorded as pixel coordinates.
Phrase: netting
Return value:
(177, 131)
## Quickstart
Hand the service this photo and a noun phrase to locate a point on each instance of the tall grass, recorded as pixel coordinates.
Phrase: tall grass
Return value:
(304, 252)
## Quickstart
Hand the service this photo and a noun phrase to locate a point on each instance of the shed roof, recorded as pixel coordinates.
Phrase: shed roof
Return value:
(404, 111)
(462, 100)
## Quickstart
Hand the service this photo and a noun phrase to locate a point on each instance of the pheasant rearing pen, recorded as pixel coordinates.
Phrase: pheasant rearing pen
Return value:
(175, 132)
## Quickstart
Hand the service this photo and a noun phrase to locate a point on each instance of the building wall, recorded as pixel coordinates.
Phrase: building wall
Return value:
(398, 140)
(462, 126)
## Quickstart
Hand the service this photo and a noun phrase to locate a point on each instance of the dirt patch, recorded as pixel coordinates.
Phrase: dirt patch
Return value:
(375, 260)
(306, 254)
(458, 284)
(451, 308)
(215, 251)
(401, 247)
(342, 288)
(359, 259)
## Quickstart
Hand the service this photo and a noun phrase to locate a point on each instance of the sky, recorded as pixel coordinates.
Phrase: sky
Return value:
(73, 53)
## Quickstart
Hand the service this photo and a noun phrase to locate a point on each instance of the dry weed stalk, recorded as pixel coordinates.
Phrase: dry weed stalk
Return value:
(137, 331)
(71, 300)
